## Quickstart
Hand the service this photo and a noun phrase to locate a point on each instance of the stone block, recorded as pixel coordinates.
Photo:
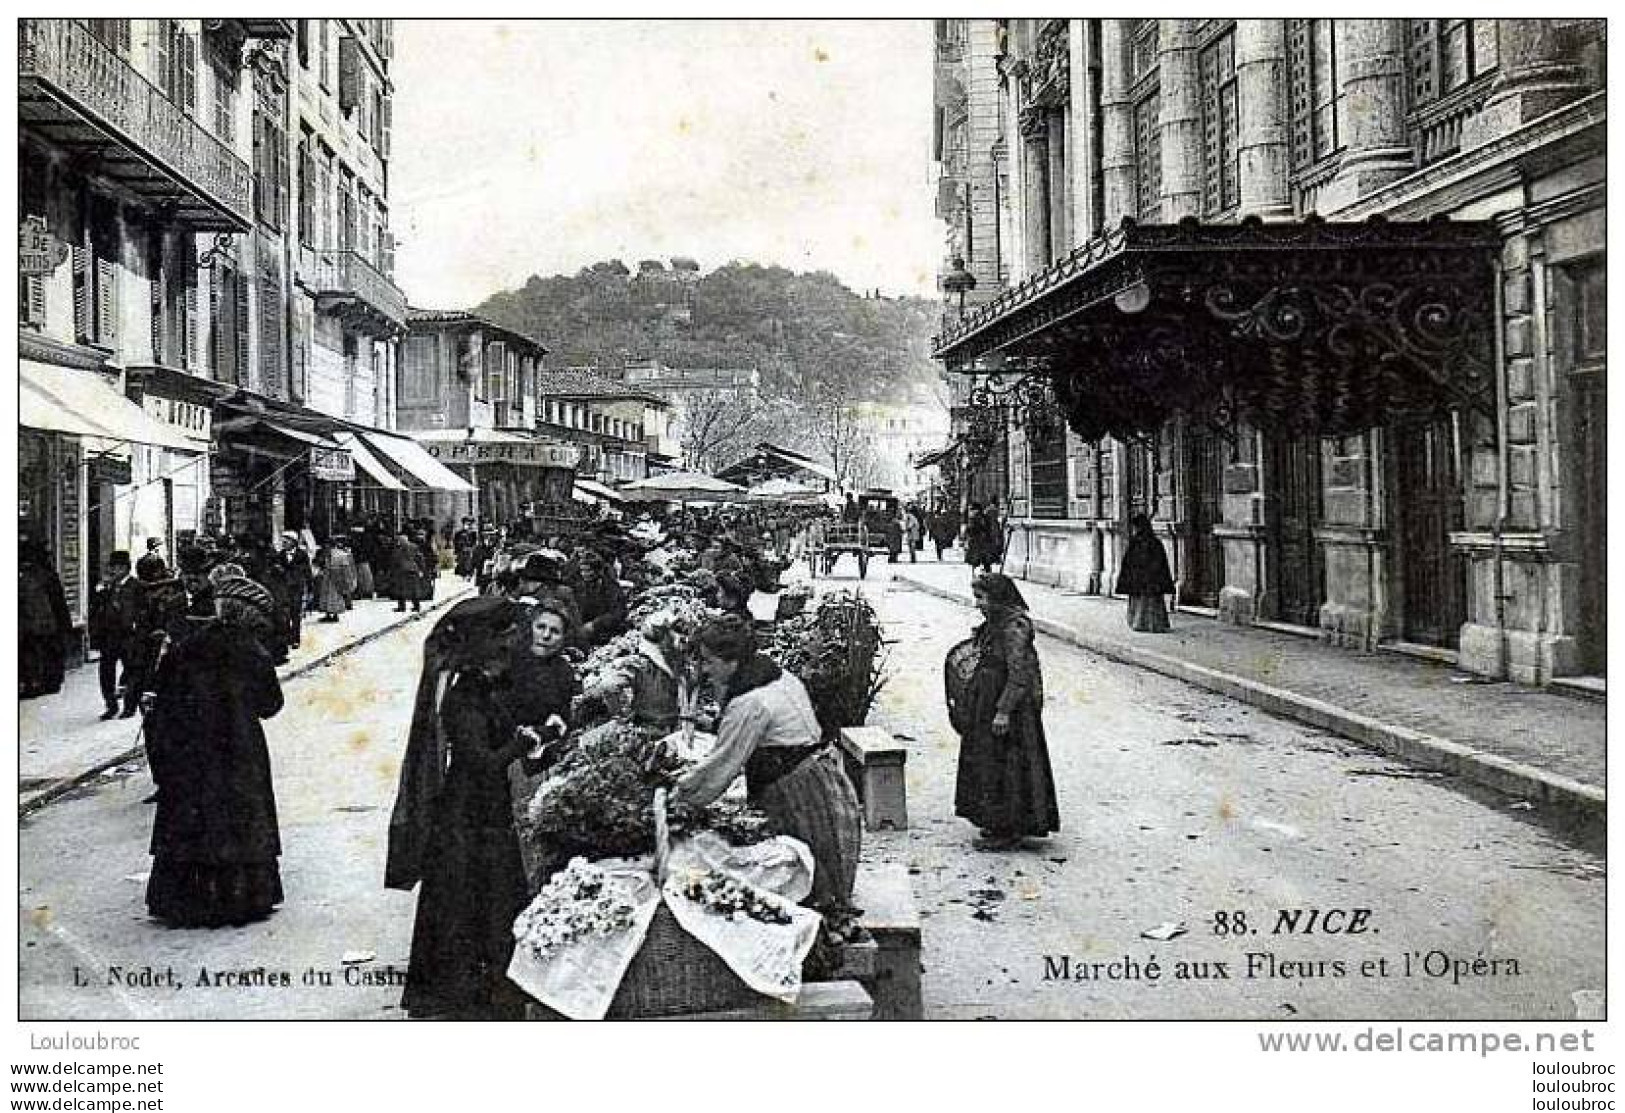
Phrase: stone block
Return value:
(1236, 606)
(1240, 479)
(874, 763)
(1515, 293)
(1520, 378)
(1519, 336)
(1515, 254)
(892, 919)
(1483, 467)
(1521, 423)
(1523, 509)
(1521, 465)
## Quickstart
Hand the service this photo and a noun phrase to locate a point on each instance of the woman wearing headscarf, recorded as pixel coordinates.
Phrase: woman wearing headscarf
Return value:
(408, 582)
(1144, 577)
(769, 732)
(43, 624)
(995, 691)
(453, 822)
(215, 840)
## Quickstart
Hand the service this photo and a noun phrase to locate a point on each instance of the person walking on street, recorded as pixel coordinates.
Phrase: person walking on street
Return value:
(215, 841)
(995, 694)
(1145, 578)
(406, 575)
(981, 541)
(335, 580)
(911, 535)
(464, 542)
(295, 578)
(114, 607)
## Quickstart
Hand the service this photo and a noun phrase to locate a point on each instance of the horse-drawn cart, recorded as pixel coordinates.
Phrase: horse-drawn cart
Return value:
(827, 547)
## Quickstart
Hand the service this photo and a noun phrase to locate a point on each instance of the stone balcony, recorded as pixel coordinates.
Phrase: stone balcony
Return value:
(81, 95)
(347, 285)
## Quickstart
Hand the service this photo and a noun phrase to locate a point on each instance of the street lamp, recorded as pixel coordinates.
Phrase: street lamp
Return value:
(474, 477)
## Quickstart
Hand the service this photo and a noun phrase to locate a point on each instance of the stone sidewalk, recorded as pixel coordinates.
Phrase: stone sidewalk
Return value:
(1529, 742)
(62, 740)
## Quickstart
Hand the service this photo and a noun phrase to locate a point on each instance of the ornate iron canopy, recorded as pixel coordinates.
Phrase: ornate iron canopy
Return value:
(1311, 325)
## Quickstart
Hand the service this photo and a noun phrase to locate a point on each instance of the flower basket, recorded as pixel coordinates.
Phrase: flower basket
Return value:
(674, 973)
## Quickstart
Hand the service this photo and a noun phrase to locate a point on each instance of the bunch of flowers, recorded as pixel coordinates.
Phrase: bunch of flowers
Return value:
(579, 901)
(835, 649)
(724, 896)
(736, 821)
(665, 603)
(602, 660)
(599, 797)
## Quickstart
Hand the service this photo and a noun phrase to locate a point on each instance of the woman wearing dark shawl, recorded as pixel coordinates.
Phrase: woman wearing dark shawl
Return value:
(995, 691)
(453, 823)
(1144, 577)
(215, 840)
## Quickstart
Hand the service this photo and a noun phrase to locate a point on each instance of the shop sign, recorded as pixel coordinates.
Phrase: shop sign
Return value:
(190, 418)
(38, 252)
(331, 464)
(112, 469)
(522, 453)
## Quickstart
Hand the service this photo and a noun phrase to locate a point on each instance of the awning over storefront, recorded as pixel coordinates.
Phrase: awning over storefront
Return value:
(1309, 325)
(375, 469)
(590, 491)
(67, 400)
(936, 456)
(416, 462)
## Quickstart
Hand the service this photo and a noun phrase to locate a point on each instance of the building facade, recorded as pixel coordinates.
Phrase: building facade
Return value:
(616, 424)
(1383, 431)
(467, 390)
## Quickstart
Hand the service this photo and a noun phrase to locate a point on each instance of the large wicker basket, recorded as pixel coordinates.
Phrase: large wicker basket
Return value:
(674, 973)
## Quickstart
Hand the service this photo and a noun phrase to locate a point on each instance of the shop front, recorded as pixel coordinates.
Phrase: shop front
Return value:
(514, 474)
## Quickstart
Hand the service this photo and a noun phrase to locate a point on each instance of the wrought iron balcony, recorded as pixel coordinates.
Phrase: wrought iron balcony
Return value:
(346, 284)
(79, 93)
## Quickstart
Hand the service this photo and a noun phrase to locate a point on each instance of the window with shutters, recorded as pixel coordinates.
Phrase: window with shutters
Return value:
(420, 371)
(112, 33)
(272, 350)
(1446, 54)
(322, 233)
(351, 90)
(346, 212)
(229, 324)
(1221, 160)
(270, 167)
(363, 223)
(1315, 90)
(174, 312)
(1148, 156)
(223, 94)
(177, 64)
(495, 378)
(95, 275)
(324, 51)
(302, 41)
(306, 191)
(386, 115)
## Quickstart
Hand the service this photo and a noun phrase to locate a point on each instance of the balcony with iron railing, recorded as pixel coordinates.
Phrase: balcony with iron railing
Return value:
(80, 94)
(348, 285)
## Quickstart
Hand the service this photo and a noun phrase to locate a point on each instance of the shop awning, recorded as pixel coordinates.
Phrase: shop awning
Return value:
(367, 462)
(416, 462)
(1310, 325)
(82, 403)
(590, 491)
(936, 456)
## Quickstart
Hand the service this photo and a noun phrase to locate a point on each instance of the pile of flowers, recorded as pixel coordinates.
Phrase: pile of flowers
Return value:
(733, 819)
(580, 900)
(600, 795)
(726, 897)
(835, 649)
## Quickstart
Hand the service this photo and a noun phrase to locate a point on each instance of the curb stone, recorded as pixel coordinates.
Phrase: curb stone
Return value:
(57, 789)
(1514, 778)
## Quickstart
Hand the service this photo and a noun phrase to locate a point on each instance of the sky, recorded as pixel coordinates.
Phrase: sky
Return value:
(538, 147)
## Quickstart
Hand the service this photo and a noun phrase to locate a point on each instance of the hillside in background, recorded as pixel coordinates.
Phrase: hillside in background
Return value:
(805, 333)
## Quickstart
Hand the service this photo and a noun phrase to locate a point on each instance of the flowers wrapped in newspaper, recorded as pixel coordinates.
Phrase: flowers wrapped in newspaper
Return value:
(575, 942)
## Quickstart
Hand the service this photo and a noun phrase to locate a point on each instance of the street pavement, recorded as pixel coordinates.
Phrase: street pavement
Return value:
(1177, 804)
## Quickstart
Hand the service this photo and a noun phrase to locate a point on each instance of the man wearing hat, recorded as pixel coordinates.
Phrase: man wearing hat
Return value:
(114, 606)
(463, 543)
(295, 575)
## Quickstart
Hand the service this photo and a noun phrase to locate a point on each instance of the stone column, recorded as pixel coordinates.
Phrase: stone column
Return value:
(1035, 192)
(1376, 147)
(1117, 122)
(1538, 74)
(1061, 135)
(1181, 119)
(1262, 139)
(1083, 140)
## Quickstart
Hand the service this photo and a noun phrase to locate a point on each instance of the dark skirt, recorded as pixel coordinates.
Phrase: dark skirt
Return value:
(1148, 614)
(185, 893)
(1005, 785)
(817, 804)
(473, 889)
(364, 586)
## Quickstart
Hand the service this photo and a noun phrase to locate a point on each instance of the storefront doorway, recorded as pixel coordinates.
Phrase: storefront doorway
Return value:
(1203, 574)
(1292, 513)
(1428, 506)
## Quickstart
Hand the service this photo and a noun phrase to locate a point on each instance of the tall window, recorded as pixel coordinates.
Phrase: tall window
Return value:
(1446, 54)
(95, 275)
(113, 33)
(1221, 162)
(1316, 91)
(228, 324)
(270, 162)
(223, 94)
(176, 50)
(307, 191)
(1047, 458)
(1148, 156)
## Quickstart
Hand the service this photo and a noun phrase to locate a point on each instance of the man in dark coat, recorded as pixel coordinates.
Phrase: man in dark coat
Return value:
(43, 624)
(115, 604)
(407, 581)
(463, 543)
(291, 585)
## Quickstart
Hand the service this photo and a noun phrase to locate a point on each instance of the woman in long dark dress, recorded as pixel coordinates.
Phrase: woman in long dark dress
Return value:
(1145, 578)
(453, 823)
(995, 690)
(215, 840)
